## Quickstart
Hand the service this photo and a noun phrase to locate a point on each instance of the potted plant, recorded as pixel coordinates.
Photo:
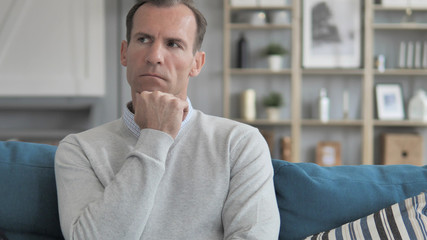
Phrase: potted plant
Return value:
(273, 102)
(275, 53)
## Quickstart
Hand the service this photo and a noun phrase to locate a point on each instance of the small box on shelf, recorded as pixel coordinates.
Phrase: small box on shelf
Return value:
(402, 149)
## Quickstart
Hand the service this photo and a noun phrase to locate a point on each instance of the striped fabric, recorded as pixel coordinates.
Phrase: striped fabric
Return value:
(404, 220)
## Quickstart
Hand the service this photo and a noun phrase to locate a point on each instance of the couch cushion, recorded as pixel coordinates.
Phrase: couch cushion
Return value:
(28, 200)
(314, 199)
(404, 220)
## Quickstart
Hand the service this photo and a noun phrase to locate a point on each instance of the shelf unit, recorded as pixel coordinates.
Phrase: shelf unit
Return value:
(15, 114)
(365, 123)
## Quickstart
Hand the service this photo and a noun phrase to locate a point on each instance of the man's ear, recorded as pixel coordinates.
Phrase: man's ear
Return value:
(199, 61)
(123, 51)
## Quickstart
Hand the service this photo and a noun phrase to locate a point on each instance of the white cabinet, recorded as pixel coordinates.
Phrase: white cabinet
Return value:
(52, 48)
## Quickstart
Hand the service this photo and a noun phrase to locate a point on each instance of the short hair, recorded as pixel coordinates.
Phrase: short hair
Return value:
(200, 19)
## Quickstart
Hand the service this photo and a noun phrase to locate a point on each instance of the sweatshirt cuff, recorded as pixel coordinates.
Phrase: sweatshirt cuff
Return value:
(154, 143)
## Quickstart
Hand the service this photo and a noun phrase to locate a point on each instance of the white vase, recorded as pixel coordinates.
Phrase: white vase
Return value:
(417, 109)
(273, 113)
(279, 17)
(275, 62)
(247, 105)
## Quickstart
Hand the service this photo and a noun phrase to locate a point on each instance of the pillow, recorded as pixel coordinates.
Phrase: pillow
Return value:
(28, 199)
(313, 199)
(404, 220)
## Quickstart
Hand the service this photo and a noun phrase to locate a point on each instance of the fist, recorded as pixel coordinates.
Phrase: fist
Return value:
(160, 111)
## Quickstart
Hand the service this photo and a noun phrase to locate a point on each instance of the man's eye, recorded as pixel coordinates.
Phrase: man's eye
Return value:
(143, 39)
(173, 45)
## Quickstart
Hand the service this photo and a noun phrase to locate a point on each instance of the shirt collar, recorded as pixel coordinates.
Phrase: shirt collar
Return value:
(128, 118)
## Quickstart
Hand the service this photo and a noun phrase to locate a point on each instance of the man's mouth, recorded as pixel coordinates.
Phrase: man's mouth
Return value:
(153, 75)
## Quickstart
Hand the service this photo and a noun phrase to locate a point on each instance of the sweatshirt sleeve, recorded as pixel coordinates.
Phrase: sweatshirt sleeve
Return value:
(90, 210)
(250, 210)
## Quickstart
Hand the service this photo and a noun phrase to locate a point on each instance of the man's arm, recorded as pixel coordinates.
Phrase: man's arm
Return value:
(90, 209)
(250, 211)
(119, 209)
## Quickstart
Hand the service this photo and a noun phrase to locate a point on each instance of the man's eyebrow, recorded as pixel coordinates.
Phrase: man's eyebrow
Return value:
(177, 40)
(168, 39)
(142, 34)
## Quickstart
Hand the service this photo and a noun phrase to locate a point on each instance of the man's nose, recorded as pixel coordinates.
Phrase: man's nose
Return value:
(155, 54)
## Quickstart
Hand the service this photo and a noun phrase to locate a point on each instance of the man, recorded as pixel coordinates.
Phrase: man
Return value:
(165, 170)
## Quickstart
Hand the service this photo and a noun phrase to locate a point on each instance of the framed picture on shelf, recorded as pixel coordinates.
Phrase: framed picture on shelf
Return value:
(389, 101)
(328, 153)
(331, 34)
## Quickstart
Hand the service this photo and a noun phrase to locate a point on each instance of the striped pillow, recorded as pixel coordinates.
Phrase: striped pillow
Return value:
(404, 220)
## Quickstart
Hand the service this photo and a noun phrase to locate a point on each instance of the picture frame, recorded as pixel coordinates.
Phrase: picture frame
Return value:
(389, 101)
(332, 34)
(328, 153)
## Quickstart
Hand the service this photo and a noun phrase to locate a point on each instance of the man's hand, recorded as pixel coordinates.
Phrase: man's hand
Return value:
(160, 111)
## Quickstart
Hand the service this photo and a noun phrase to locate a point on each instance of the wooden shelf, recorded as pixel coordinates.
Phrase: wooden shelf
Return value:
(402, 72)
(400, 26)
(258, 71)
(247, 26)
(332, 123)
(367, 125)
(265, 122)
(233, 8)
(400, 123)
(337, 71)
(377, 7)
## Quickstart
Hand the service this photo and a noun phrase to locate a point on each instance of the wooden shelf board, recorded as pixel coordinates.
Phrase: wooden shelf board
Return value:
(349, 122)
(399, 72)
(266, 122)
(248, 26)
(399, 123)
(238, 8)
(392, 8)
(260, 71)
(337, 71)
(400, 26)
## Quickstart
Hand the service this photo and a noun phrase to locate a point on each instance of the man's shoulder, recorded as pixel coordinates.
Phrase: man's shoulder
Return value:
(201, 116)
(100, 134)
(221, 124)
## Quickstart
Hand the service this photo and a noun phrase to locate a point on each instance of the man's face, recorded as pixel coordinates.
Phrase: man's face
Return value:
(159, 56)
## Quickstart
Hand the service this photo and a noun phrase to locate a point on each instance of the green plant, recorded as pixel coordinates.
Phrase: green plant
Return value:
(275, 49)
(274, 99)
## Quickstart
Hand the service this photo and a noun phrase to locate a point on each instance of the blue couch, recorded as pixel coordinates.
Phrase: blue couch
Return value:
(311, 198)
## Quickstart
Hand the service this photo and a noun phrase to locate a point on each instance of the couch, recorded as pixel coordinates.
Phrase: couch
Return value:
(311, 198)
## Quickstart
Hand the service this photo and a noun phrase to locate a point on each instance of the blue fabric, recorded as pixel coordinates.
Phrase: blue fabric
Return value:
(314, 199)
(28, 199)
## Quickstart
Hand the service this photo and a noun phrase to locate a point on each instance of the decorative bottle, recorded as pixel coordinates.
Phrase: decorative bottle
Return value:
(417, 109)
(242, 52)
(323, 106)
(247, 105)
